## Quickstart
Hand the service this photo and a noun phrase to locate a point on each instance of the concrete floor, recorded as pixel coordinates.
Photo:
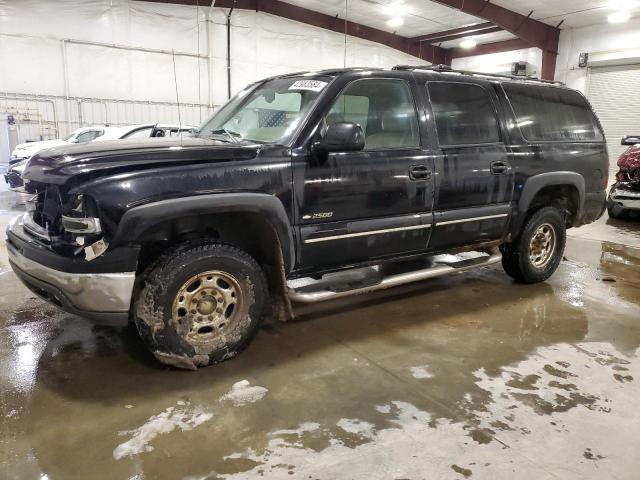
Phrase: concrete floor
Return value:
(466, 376)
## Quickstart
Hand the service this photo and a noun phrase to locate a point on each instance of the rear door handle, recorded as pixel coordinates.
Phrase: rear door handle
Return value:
(419, 172)
(498, 168)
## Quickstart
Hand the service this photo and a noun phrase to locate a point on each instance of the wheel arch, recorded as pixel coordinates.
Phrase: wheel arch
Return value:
(555, 184)
(239, 215)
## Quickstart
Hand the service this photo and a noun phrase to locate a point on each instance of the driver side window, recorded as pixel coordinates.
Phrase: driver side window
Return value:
(385, 110)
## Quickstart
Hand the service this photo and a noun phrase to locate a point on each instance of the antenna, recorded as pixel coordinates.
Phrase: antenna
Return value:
(175, 80)
(346, 14)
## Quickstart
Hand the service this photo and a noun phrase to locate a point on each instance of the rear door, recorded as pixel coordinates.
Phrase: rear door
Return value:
(358, 206)
(474, 175)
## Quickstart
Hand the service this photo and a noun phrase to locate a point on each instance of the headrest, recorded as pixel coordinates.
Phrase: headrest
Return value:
(395, 121)
(334, 118)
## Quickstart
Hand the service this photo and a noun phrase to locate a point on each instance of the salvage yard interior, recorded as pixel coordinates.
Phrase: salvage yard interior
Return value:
(376, 263)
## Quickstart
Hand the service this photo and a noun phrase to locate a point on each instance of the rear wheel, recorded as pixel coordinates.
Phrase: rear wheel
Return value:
(201, 303)
(538, 250)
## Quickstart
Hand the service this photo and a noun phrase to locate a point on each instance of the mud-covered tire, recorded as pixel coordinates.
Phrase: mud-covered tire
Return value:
(616, 211)
(168, 315)
(517, 256)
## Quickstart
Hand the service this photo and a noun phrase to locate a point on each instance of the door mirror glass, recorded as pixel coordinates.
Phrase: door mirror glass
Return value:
(343, 137)
(630, 140)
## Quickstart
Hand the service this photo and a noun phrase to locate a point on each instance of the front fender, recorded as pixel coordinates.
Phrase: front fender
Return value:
(139, 219)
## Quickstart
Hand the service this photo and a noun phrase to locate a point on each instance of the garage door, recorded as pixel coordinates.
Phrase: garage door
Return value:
(613, 93)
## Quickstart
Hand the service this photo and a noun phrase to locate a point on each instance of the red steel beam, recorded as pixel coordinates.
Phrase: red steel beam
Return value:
(282, 9)
(446, 38)
(534, 32)
(468, 30)
(487, 48)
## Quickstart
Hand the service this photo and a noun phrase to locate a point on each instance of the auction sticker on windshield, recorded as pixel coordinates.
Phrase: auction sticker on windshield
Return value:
(314, 85)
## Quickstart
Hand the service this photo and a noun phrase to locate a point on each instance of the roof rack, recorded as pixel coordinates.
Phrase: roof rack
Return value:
(447, 69)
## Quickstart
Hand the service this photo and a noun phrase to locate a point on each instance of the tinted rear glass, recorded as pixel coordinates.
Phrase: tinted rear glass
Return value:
(463, 113)
(552, 114)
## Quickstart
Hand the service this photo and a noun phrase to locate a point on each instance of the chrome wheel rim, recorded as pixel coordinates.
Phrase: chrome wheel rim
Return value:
(542, 245)
(207, 305)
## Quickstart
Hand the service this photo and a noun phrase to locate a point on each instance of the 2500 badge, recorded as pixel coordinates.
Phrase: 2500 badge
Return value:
(318, 216)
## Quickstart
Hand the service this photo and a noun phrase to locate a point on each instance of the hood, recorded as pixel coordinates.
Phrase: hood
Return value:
(57, 165)
(630, 158)
(25, 150)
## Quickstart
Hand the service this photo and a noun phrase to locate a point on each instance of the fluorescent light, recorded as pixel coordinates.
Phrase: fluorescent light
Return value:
(468, 43)
(619, 17)
(395, 22)
(396, 8)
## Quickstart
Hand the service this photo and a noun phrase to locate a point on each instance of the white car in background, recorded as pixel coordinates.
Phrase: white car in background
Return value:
(24, 151)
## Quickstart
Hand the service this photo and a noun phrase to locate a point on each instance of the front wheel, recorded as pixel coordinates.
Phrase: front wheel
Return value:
(538, 250)
(201, 303)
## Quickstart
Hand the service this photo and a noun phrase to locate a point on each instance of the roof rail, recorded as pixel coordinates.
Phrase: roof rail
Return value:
(448, 69)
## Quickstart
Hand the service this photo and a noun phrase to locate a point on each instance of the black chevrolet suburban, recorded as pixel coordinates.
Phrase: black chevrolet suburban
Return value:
(308, 187)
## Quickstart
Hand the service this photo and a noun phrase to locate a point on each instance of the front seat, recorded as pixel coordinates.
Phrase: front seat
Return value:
(395, 131)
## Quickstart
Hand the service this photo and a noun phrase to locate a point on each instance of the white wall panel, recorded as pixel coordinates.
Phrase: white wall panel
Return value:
(32, 31)
(501, 62)
(621, 41)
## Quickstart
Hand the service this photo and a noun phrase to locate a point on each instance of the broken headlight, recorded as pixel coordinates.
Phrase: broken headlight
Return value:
(81, 216)
(82, 222)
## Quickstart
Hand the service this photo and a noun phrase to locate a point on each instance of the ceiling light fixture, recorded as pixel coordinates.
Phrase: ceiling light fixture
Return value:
(619, 17)
(396, 8)
(395, 22)
(468, 43)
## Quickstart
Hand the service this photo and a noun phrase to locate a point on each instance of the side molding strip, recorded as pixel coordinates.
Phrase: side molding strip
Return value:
(473, 219)
(370, 232)
(401, 229)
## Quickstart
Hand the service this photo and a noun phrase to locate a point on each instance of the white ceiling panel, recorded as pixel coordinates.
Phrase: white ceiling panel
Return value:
(575, 13)
(424, 17)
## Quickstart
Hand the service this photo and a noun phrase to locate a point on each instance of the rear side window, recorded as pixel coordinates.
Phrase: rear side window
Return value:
(552, 114)
(463, 114)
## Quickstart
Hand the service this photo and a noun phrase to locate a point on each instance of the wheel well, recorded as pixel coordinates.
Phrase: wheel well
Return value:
(250, 232)
(566, 198)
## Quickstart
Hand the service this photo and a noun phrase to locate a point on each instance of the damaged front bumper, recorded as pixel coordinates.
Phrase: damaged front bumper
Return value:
(93, 290)
(625, 196)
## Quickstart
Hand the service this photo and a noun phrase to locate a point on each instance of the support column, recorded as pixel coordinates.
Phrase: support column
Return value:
(548, 65)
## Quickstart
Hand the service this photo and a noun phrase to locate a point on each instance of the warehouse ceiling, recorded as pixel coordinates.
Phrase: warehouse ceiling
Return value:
(439, 30)
(421, 17)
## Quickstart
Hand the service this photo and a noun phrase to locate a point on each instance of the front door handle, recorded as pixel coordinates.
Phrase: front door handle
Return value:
(419, 172)
(499, 168)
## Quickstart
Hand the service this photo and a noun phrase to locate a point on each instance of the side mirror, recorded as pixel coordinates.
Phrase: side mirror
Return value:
(342, 137)
(630, 140)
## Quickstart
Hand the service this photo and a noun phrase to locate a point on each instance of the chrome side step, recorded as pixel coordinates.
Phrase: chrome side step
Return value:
(306, 293)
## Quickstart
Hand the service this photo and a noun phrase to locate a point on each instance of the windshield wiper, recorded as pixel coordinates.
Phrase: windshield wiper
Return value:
(232, 135)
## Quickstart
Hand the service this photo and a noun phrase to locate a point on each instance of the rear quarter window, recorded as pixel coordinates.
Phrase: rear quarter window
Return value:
(552, 114)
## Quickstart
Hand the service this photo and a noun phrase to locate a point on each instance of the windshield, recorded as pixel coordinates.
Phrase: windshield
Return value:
(270, 113)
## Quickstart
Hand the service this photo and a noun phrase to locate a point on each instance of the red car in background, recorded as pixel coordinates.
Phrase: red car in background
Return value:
(624, 196)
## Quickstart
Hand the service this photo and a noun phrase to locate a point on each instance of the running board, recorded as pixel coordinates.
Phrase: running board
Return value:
(438, 268)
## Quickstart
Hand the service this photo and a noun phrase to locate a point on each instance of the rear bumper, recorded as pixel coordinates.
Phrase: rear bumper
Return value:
(626, 198)
(101, 296)
(594, 206)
